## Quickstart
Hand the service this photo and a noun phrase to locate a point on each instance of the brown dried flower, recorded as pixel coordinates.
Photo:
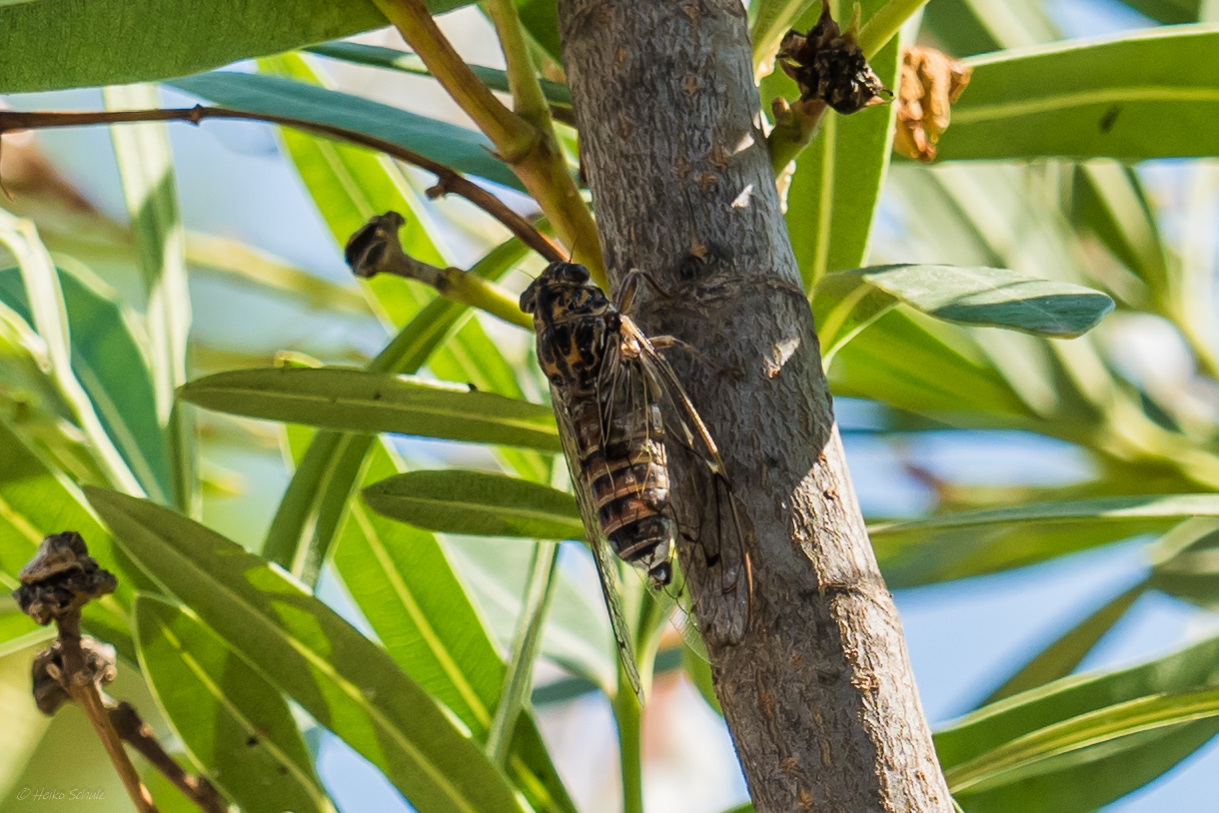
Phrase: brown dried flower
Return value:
(829, 66)
(931, 83)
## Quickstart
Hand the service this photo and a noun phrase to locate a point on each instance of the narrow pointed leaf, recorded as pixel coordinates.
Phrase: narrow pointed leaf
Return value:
(456, 147)
(35, 502)
(231, 720)
(981, 297)
(307, 651)
(44, 46)
(360, 401)
(1093, 99)
(1089, 778)
(972, 543)
(402, 580)
(108, 363)
(1026, 756)
(146, 169)
(477, 503)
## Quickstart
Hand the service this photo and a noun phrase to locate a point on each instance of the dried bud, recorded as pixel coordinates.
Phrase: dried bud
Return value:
(829, 66)
(374, 242)
(49, 677)
(61, 578)
(931, 83)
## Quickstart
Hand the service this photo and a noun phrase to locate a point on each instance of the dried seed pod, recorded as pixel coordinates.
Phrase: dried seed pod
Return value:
(61, 578)
(368, 249)
(49, 677)
(829, 66)
(931, 83)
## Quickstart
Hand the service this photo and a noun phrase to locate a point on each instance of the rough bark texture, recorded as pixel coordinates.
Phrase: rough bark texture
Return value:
(819, 695)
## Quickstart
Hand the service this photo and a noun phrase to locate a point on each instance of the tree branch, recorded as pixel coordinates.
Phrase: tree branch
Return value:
(533, 152)
(818, 695)
(447, 180)
(529, 101)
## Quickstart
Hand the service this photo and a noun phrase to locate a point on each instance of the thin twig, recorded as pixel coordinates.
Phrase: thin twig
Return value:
(795, 127)
(89, 698)
(375, 249)
(448, 180)
(131, 729)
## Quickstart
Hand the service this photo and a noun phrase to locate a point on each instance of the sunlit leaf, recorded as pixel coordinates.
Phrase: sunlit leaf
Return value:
(972, 543)
(45, 45)
(360, 401)
(108, 363)
(342, 679)
(1086, 779)
(229, 717)
(146, 170)
(34, 503)
(402, 580)
(477, 503)
(1093, 99)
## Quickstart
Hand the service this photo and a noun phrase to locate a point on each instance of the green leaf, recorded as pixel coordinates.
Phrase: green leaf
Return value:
(349, 185)
(55, 44)
(556, 93)
(1093, 99)
(403, 582)
(981, 297)
(314, 503)
(458, 148)
(1028, 755)
(900, 361)
(49, 318)
(1108, 199)
(230, 719)
(1087, 779)
(770, 20)
(834, 190)
(1169, 12)
(361, 401)
(540, 18)
(1065, 653)
(972, 543)
(477, 503)
(306, 650)
(108, 363)
(1191, 573)
(146, 169)
(24, 724)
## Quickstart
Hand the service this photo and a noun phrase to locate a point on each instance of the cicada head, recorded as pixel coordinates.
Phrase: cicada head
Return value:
(561, 292)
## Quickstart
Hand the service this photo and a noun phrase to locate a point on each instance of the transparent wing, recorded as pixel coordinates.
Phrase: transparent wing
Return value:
(725, 558)
(607, 566)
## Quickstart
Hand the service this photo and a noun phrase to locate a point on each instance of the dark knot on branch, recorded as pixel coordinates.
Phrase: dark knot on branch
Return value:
(60, 579)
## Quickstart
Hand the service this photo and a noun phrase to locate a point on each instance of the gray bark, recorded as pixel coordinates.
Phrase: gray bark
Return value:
(818, 696)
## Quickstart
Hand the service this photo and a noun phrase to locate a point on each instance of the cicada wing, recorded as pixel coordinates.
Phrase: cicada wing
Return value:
(725, 559)
(683, 619)
(607, 564)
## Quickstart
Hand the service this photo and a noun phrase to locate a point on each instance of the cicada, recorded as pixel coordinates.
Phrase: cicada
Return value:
(621, 411)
